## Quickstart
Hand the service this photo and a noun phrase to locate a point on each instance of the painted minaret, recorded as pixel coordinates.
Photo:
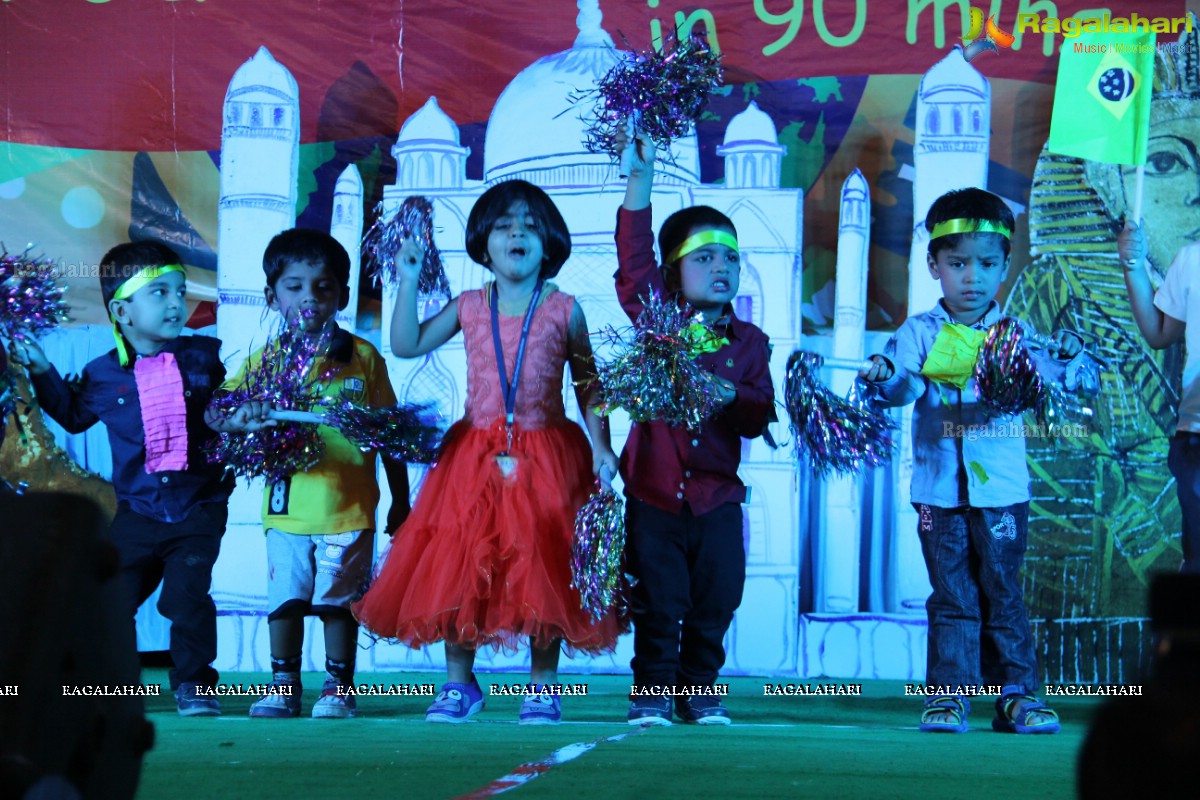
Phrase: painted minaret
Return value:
(260, 142)
(346, 225)
(838, 549)
(953, 133)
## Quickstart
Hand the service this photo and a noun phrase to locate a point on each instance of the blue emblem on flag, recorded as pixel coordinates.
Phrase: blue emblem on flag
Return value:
(1116, 84)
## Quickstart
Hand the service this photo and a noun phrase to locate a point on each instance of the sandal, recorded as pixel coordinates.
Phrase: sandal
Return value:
(954, 706)
(1013, 712)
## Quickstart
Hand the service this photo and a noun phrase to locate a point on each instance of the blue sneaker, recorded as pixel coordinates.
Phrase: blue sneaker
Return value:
(282, 700)
(191, 703)
(540, 708)
(701, 709)
(457, 702)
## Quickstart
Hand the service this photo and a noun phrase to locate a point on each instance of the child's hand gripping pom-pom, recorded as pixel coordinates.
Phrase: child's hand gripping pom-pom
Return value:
(413, 220)
(1007, 380)
(837, 436)
(30, 301)
(597, 553)
(283, 378)
(407, 432)
(660, 94)
(655, 376)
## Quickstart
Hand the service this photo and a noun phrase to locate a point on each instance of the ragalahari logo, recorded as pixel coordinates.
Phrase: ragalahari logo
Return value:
(984, 37)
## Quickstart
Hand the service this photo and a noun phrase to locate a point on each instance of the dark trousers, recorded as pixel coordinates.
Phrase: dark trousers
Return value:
(688, 576)
(180, 555)
(1183, 459)
(978, 627)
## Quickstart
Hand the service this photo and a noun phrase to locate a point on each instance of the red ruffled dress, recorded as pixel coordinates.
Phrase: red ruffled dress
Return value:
(483, 559)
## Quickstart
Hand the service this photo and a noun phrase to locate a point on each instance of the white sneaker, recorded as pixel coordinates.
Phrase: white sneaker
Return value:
(282, 699)
(333, 704)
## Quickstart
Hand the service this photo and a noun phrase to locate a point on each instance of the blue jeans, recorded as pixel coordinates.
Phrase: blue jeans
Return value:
(1183, 459)
(978, 629)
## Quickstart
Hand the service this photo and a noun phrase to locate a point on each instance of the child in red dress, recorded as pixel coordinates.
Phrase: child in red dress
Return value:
(484, 559)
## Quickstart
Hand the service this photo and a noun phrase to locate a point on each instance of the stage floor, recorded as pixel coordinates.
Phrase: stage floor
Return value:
(815, 746)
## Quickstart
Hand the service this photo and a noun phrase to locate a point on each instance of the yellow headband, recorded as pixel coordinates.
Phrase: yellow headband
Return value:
(952, 226)
(126, 290)
(698, 240)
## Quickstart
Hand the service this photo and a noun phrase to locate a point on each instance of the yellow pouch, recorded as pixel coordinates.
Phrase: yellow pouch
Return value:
(701, 339)
(952, 357)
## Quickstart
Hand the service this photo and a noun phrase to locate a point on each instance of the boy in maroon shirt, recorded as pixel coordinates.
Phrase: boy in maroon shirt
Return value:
(684, 519)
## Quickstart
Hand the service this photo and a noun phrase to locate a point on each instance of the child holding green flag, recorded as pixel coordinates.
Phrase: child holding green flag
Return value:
(970, 484)
(1164, 317)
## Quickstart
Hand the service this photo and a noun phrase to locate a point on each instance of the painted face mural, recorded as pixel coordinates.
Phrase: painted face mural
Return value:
(1107, 510)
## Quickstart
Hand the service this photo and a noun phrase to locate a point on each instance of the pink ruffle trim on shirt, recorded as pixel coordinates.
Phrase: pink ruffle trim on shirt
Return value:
(164, 413)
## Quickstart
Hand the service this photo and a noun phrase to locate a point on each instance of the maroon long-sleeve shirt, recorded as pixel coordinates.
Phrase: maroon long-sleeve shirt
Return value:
(668, 466)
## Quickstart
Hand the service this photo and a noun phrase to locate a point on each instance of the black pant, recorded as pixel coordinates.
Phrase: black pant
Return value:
(689, 572)
(180, 555)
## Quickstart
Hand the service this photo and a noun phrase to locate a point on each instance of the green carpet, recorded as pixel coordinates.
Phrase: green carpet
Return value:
(805, 747)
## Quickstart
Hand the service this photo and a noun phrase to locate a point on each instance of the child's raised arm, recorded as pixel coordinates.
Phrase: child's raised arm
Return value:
(638, 274)
(587, 391)
(411, 337)
(1160, 329)
(641, 170)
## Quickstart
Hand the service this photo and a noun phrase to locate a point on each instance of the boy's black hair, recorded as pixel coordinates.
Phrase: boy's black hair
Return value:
(973, 204)
(123, 261)
(549, 224)
(316, 247)
(677, 228)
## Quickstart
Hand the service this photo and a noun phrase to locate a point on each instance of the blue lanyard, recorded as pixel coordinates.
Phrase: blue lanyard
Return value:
(510, 390)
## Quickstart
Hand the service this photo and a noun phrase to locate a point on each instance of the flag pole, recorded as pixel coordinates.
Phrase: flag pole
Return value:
(1138, 182)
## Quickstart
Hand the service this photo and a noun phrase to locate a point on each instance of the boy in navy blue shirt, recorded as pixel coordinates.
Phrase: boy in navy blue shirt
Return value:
(151, 392)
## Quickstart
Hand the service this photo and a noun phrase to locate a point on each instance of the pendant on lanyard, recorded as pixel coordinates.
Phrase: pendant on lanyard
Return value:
(505, 461)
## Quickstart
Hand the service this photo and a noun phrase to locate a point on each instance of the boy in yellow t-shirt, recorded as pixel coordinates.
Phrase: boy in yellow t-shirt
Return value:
(319, 523)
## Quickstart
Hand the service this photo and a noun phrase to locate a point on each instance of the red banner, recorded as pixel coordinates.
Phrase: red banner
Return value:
(114, 75)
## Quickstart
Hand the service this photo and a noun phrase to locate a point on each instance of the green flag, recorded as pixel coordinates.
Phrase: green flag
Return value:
(1102, 97)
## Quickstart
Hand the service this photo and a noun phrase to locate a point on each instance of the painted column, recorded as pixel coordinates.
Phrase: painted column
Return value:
(953, 133)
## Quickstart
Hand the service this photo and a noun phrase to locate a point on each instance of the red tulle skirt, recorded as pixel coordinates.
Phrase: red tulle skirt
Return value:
(485, 560)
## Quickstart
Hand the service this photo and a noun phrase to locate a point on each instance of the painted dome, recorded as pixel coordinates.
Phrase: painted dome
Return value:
(752, 125)
(261, 78)
(953, 80)
(428, 125)
(537, 127)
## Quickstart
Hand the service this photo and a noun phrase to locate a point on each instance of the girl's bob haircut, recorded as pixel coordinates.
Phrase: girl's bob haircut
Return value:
(548, 223)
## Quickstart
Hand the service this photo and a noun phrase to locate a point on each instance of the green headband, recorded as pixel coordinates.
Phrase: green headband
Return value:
(126, 290)
(952, 226)
(698, 240)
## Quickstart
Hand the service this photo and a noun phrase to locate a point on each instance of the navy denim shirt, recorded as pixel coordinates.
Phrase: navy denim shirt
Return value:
(107, 393)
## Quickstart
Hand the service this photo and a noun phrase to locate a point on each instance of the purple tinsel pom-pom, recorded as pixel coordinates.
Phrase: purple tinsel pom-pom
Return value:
(414, 219)
(1006, 378)
(30, 300)
(838, 436)
(661, 93)
(653, 374)
(597, 553)
(408, 432)
(284, 377)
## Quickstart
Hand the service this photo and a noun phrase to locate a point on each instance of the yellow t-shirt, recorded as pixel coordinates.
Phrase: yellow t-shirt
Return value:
(340, 492)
